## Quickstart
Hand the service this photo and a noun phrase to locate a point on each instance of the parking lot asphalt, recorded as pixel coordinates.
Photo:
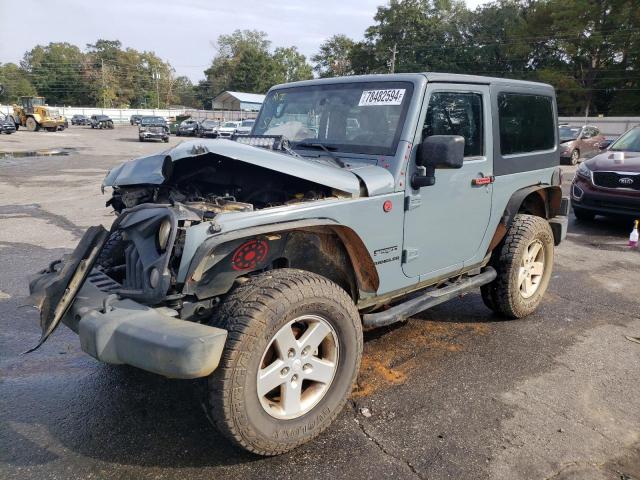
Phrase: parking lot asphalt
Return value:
(453, 393)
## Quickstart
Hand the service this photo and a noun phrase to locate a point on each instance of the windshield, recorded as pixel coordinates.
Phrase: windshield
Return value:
(209, 123)
(230, 125)
(363, 117)
(569, 133)
(152, 121)
(248, 123)
(629, 142)
(187, 123)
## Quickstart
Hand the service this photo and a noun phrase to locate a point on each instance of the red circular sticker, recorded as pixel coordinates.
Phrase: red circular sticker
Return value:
(387, 206)
(248, 255)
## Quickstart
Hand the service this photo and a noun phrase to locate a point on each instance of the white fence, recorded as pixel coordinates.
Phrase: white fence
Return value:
(610, 127)
(121, 116)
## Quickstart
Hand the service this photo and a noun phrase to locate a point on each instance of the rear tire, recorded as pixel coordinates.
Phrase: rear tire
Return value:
(575, 157)
(265, 395)
(524, 263)
(583, 215)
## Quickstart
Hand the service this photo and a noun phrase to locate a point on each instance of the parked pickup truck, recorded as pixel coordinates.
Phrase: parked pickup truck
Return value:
(355, 203)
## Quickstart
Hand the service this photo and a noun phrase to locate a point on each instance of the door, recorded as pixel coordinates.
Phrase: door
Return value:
(445, 223)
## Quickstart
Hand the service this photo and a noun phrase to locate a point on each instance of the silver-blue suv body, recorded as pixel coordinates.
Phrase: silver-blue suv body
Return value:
(355, 202)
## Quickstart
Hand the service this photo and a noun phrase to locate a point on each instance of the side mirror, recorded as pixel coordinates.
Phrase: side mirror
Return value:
(437, 151)
(603, 145)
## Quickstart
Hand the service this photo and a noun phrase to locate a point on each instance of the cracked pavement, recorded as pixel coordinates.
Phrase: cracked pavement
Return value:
(453, 393)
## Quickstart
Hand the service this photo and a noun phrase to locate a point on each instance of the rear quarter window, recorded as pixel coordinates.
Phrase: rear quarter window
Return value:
(526, 123)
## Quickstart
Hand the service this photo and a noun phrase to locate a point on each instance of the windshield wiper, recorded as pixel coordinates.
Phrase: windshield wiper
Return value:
(322, 146)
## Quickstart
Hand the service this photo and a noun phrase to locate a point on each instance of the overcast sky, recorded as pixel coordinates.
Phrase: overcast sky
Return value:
(180, 31)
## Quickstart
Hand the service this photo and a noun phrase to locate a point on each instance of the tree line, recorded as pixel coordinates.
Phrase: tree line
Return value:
(589, 50)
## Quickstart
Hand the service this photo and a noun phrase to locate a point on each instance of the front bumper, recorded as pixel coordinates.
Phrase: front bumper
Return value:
(559, 224)
(604, 201)
(187, 133)
(122, 331)
(158, 135)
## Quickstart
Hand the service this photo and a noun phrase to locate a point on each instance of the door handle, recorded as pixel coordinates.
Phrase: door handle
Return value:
(483, 180)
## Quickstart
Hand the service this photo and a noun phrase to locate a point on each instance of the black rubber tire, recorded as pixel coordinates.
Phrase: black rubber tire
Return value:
(141, 139)
(503, 294)
(252, 313)
(112, 254)
(583, 215)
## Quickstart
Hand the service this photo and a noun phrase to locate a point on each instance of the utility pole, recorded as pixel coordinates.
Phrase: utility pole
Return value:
(392, 62)
(104, 91)
(156, 75)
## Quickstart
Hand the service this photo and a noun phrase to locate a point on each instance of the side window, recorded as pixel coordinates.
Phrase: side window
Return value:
(451, 113)
(526, 123)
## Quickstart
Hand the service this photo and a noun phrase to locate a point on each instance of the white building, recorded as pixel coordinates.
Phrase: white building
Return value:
(238, 101)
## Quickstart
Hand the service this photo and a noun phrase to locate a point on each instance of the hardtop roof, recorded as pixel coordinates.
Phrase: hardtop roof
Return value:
(434, 77)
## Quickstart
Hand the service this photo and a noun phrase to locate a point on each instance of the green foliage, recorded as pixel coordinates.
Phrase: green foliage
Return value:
(334, 58)
(291, 65)
(14, 82)
(56, 72)
(245, 63)
(588, 49)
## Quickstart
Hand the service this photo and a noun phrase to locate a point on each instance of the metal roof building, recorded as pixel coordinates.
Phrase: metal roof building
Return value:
(238, 101)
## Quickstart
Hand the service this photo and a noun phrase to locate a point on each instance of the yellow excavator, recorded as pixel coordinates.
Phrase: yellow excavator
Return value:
(33, 114)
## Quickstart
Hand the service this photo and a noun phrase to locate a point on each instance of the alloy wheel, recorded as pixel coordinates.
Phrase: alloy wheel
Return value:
(297, 367)
(531, 269)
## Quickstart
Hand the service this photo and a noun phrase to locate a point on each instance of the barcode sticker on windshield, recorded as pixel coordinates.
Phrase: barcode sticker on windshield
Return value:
(392, 96)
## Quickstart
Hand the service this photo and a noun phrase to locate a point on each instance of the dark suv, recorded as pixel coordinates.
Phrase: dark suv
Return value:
(609, 183)
(153, 128)
(80, 120)
(7, 125)
(101, 121)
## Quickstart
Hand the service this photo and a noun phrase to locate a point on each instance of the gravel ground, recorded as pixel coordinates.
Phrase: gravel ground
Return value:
(453, 393)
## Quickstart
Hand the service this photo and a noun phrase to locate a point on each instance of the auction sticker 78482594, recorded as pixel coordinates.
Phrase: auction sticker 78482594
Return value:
(390, 96)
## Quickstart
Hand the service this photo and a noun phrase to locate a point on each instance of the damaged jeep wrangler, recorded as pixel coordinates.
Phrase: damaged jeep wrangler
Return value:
(255, 263)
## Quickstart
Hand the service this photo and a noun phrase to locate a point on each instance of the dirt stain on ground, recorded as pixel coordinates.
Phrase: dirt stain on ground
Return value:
(390, 355)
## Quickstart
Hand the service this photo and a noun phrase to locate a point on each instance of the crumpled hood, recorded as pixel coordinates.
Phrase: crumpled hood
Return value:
(605, 161)
(153, 170)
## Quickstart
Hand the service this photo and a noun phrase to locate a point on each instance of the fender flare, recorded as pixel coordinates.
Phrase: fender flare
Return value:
(364, 269)
(549, 195)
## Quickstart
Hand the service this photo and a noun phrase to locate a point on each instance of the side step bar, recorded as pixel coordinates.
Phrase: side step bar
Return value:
(427, 300)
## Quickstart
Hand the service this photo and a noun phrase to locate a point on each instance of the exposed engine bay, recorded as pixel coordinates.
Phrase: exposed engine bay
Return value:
(213, 184)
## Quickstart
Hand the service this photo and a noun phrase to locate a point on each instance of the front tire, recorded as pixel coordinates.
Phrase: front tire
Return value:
(32, 125)
(293, 351)
(524, 263)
